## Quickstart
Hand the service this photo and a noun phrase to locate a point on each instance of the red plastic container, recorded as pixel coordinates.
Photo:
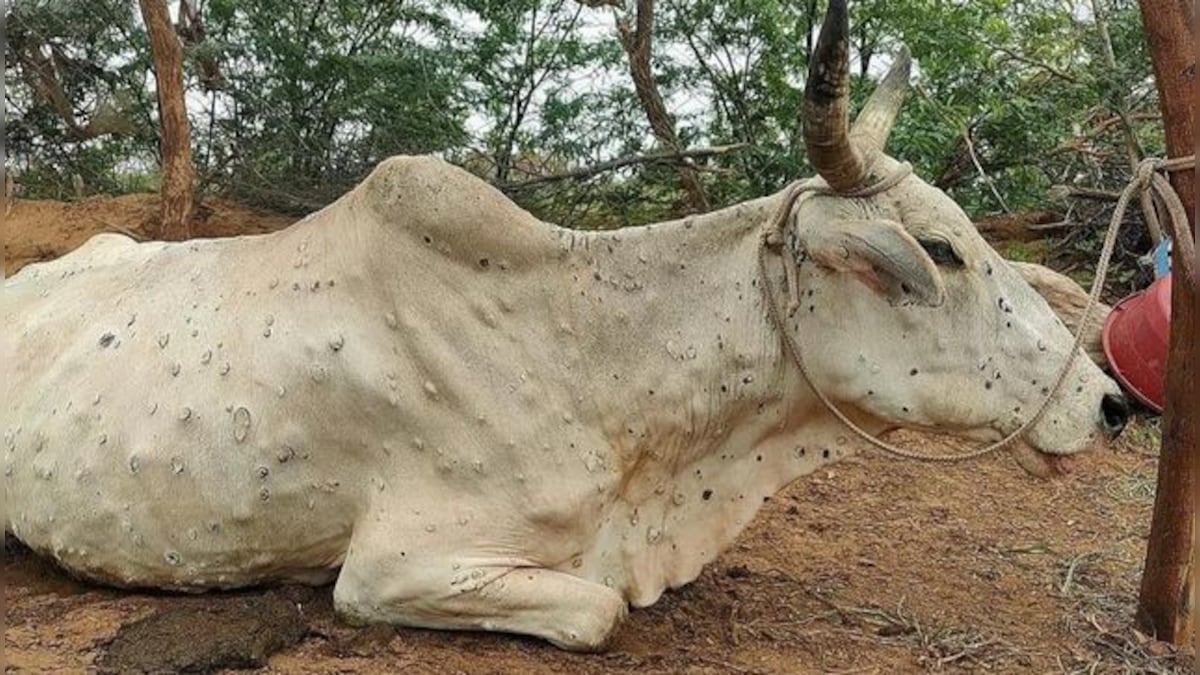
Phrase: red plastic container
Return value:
(1137, 340)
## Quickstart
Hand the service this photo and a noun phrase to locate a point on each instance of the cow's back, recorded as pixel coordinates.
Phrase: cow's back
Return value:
(223, 412)
(156, 422)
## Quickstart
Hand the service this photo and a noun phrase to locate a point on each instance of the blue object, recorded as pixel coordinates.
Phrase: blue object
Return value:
(1162, 259)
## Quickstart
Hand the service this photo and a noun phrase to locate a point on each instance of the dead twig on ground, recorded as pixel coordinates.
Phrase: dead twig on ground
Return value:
(118, 229)
(1073, 567)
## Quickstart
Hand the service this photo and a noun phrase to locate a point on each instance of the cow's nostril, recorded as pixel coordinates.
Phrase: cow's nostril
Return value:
(1115, 411)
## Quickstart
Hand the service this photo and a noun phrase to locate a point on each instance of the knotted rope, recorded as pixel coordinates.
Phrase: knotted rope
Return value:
(1147, 178)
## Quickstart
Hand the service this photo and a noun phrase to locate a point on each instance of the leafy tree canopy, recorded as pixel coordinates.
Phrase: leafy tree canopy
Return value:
(1010, 98)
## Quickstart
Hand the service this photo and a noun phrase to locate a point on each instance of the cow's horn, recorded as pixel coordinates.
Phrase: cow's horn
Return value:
(827, 104)
(874, 123)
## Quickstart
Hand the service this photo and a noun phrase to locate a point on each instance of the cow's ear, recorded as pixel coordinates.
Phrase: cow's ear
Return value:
(881, 254)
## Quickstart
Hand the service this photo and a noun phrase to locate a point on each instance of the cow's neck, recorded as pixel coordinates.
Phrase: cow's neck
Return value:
(703, 414)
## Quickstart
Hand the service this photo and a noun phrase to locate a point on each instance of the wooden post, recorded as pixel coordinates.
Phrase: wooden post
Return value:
(1164, 608)
(177, 172)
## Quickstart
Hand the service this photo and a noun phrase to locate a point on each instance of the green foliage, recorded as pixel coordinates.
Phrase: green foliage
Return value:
(99, 60)
(319, 92)
(1010, 97)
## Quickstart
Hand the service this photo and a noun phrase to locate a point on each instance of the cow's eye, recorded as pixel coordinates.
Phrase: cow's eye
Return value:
(941, 252)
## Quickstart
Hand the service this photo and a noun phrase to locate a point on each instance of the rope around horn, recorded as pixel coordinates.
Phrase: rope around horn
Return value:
(1147, 178)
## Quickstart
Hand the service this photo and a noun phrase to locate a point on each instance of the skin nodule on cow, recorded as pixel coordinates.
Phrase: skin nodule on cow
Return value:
(472, 419)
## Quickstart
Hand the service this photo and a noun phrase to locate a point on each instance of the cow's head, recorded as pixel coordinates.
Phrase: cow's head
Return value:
(907, 315)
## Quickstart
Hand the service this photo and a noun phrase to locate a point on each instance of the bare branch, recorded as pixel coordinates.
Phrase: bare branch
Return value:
(983, 173)
(1015, 56)
(1062, 192)
(679, 157)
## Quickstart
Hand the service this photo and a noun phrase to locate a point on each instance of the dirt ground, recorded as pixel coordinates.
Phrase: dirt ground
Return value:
(37, 230)
(872, 566)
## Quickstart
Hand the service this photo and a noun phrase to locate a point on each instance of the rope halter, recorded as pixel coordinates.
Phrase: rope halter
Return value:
(772, 240)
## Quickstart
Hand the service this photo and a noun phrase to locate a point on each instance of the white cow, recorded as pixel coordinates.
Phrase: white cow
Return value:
(474, 419)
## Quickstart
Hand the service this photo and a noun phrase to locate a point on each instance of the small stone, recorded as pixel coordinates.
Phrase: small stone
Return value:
(337, 342)
(738, 572)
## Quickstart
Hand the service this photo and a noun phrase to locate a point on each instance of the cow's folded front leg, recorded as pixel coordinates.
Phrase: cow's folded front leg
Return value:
(570, 612)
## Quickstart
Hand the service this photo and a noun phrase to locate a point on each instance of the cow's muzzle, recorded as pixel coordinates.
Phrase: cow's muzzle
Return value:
(1114, 414)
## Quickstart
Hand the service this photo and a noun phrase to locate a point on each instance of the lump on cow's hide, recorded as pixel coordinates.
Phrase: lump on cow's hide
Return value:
(1068, 300)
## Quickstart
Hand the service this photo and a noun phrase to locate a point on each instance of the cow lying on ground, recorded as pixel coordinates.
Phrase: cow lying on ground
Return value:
(474, 419)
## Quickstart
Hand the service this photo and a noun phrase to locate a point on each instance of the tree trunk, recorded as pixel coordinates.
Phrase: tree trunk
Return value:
(637, 41)
(191, 31)
(1164, 609)
(1133, 149)
(177, 171)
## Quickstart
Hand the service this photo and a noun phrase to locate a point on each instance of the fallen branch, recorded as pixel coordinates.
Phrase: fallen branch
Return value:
(1022, 226)
(118, 229)
(1058, 225)
(622, 162)
(1064, 192)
